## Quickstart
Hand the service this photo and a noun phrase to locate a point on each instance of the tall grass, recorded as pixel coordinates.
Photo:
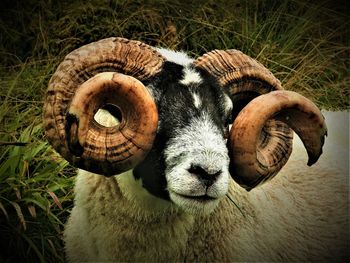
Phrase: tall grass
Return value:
(306, 45)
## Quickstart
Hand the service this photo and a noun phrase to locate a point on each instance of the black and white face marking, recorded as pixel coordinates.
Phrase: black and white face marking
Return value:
(189, 161)
(197, 166)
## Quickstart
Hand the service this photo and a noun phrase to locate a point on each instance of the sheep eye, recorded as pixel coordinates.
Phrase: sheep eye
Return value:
(226, 132)
(227, 124)
(226, 129)
(228, 120)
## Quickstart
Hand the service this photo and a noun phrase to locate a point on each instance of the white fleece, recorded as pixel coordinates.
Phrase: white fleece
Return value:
(300, 215)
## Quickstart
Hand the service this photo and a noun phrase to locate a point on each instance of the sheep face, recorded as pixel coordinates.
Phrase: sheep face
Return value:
(196, 160)
(189, 160)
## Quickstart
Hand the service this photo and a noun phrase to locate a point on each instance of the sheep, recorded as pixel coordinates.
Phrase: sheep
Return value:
(178, 166)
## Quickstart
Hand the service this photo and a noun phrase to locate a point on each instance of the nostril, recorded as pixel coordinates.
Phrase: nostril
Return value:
(203, 175)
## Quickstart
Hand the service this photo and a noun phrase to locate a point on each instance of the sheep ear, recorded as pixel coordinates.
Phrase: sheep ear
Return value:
(79, 88)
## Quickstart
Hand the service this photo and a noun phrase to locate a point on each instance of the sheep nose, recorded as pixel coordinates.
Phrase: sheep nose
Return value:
(205, 176)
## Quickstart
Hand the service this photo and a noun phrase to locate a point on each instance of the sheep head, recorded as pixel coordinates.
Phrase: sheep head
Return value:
(175, 119)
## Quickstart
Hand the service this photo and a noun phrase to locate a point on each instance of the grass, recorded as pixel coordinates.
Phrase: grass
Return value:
(306, 45)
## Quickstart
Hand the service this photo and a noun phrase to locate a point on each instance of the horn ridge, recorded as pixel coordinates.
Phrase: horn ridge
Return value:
(231, 66)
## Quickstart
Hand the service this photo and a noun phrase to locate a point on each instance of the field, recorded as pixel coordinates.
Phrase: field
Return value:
(306, 46)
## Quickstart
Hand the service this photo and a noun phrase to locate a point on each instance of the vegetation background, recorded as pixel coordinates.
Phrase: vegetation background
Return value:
(306, 44)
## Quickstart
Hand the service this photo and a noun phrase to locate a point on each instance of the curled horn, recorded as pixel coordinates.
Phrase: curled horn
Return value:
(252, 160)
(260, 141)
(106, 72)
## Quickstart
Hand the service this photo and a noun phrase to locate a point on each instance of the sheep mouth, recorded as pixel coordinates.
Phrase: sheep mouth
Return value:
(195, 205)
(200, 198)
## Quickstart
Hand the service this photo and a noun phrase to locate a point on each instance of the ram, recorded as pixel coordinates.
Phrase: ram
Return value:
(171, 152)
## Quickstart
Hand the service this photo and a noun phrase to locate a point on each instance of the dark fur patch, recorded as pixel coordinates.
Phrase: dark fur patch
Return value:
(151, 171)
(72, 125)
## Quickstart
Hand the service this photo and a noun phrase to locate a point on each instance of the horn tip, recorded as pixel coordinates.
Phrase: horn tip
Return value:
(312, 161)
(313, 158)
